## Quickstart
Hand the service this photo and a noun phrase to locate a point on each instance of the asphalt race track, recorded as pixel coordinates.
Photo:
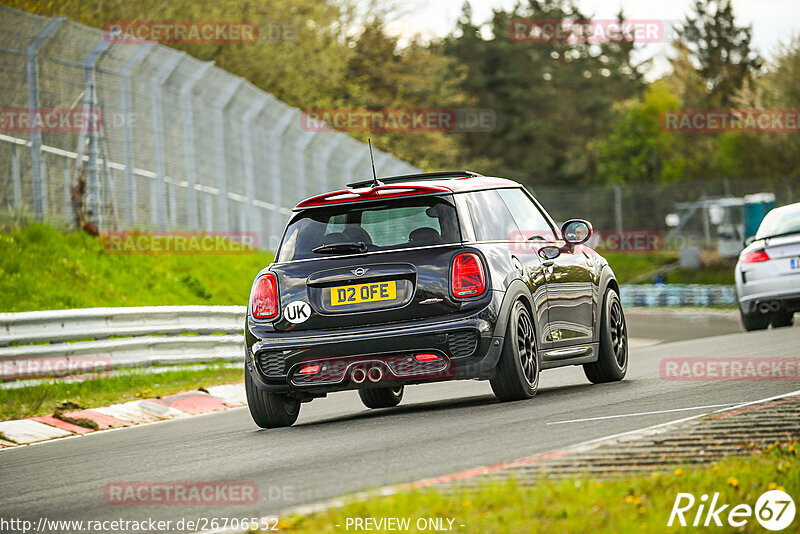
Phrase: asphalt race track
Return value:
(338, 446)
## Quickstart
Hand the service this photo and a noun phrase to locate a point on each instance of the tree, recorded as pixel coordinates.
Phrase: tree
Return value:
(552, 99)
(719, 51)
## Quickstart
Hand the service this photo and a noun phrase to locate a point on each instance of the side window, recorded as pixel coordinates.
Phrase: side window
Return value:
(490, 217)
(532, 224)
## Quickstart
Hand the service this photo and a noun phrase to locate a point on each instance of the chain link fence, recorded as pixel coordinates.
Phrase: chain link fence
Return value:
(181, 145)
(645, 207)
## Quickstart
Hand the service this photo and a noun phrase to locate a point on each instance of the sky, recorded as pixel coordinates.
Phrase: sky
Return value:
(773, 21)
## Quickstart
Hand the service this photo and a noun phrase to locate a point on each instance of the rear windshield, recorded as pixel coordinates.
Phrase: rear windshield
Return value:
(393, 224)
(780, 221)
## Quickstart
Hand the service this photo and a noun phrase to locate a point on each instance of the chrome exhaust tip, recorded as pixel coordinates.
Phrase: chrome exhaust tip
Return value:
(774, 306)
(375, 374)
(764, 307)
(358, 375)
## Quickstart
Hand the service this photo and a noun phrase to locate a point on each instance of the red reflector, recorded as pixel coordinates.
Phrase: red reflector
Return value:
(265, 297)
(755, 257)
(422, 358)
(309, 370)
(467, 278)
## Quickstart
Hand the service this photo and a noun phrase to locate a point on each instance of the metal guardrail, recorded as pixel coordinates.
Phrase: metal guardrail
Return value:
(678, 295)
(67, 342)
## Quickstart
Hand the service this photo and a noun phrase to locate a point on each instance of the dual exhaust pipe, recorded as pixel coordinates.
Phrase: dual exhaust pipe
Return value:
(769, 307)
(375, 374)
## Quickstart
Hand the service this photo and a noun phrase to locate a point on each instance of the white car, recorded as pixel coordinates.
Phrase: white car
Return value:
(768, 271)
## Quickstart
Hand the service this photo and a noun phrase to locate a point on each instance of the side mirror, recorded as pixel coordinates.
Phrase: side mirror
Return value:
(576, 231)
(749, 240)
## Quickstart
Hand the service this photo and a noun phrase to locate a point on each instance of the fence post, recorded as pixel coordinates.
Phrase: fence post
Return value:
(618, 207)
(67, 193)
(16, 180)
(93, 194)
(350, 168)
(325, 158)
(380, 158)
(249, 164)
(187, 121)
(302, 179)
(158, 189)
(277, 190)
(37, 162)
(221, 102)
(127, 128)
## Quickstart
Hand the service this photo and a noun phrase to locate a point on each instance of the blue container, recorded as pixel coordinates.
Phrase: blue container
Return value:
(754, 209)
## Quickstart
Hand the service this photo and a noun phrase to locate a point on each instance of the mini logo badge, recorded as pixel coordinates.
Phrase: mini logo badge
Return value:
(297, 312)
(359, 271)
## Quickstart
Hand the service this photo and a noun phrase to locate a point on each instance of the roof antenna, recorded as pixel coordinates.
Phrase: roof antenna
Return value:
(375, 181)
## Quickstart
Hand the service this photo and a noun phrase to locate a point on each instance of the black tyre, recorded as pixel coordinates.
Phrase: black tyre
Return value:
(517, 373)
(381, 397)
(752, 322)
(779, 320)
(612, 362)
(270, 410)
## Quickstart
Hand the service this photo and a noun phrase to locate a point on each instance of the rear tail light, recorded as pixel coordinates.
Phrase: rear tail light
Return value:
(422, 358)
(265, 297)
(467, 278)
(309, 370)
(755, 257)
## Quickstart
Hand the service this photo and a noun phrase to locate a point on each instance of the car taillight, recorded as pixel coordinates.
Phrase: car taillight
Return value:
(755, 257)
(467, 278)
(265, 297)
(309, 370)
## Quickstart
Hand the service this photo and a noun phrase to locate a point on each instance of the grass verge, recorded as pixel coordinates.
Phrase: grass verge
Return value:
(42, 268)
(633, 504)
(45, 399)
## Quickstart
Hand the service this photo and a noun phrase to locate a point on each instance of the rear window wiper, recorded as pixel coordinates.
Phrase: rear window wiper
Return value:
(360, 246)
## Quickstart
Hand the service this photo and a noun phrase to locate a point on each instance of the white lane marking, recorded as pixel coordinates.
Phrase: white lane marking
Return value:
(641, 343)
(643, 413)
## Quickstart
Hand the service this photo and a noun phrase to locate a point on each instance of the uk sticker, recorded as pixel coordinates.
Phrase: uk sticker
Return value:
(297, 312)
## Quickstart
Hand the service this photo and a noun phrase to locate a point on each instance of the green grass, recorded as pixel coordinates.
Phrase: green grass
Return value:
(633, 266)
(42, 268)
(45, 399)
(628, 266)
(633, 504)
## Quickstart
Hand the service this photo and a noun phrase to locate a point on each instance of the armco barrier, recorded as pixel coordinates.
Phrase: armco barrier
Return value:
(678, 295)
(120, 337)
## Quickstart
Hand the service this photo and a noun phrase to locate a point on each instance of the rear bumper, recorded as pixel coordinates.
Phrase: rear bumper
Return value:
(788, 301)
(465, 346)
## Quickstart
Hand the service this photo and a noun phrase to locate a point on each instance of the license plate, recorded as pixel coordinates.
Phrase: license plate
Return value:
(363, 293)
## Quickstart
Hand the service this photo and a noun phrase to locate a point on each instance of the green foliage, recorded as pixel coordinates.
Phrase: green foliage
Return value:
(552, 100)
(44, 269)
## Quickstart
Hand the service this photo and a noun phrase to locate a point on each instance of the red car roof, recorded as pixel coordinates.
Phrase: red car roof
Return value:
(407, 188)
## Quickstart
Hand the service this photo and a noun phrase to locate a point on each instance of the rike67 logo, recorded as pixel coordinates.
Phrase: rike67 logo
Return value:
(774, 510)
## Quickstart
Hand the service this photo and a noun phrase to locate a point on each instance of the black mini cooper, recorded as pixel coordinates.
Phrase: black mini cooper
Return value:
(424, 278)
